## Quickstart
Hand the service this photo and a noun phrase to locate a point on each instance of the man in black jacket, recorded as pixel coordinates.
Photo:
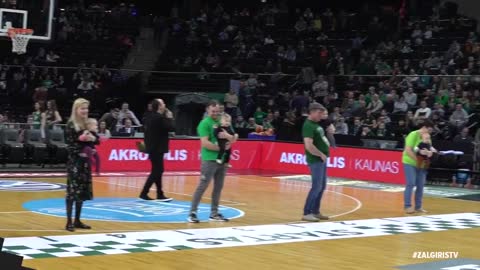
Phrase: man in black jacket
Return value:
(157, 127)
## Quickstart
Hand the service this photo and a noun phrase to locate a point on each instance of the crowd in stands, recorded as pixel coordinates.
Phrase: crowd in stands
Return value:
(354, 64)
(89, 42)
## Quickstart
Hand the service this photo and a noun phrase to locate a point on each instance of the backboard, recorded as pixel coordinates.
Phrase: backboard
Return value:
(33, 14)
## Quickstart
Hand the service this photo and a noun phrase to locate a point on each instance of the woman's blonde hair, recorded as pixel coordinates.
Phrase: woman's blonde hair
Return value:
(78, 123)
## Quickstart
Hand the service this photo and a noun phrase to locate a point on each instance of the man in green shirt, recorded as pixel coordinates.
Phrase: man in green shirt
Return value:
(210, 168)
(317, 150)
(415, 173)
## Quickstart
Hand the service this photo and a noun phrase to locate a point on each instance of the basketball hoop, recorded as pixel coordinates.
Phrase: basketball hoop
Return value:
(20, 38)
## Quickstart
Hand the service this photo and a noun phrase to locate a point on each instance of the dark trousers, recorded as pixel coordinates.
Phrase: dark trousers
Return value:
(92, 156)
(97, 162)
(155, 175)
(223, 154)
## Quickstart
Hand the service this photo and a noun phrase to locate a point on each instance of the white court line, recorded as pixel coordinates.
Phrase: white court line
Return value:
(183, 194)
(76, 231)
(357, 201)
(359, 205)
(362, 188)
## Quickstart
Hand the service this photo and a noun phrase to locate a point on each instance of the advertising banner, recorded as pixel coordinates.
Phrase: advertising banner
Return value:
(354, 163)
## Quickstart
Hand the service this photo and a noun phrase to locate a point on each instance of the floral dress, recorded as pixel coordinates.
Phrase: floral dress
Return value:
(79, 171)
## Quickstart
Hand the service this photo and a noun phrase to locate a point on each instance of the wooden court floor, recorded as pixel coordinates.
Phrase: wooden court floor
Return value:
(264, 200)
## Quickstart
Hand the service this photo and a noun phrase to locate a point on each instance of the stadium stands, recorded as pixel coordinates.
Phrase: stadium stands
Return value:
(377, 72)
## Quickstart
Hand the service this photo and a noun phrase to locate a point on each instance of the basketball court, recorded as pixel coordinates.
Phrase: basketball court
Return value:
(368, 228)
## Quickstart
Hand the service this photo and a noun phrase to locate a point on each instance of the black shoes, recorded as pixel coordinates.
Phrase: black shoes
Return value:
(70, 227)
(161, 198)
(81, 225)
(164, 199)
(145, 197)
(192, 218)
(77, 224)
(218, 217)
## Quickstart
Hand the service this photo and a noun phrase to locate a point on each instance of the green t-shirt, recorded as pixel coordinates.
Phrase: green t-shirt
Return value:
(315, 131)
(413, 139)
(37, 120)
(442, 100)
(259, 116)
(205, 128)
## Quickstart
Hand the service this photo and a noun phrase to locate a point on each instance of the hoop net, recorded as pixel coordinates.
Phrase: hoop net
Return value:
(20, 38)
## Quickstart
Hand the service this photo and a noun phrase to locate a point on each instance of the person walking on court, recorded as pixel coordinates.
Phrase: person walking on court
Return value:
(317, 150)
(79, 172)
(157, 127)
(210, 168)
(415, 173)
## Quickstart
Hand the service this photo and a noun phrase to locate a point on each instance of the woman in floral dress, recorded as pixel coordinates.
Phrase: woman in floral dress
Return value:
(79, 173)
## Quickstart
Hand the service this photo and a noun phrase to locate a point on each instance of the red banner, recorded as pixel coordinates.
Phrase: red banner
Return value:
(122, 155)
(352, 163)
(355, 163)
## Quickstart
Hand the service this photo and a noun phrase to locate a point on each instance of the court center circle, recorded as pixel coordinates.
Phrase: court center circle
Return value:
(130, 210)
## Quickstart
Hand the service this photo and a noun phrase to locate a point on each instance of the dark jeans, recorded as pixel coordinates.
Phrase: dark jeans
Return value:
(319, 183)
(156, 173)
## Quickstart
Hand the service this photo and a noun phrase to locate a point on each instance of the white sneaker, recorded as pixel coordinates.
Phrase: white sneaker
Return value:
(310, 218)
(192, 218)
(409, 210)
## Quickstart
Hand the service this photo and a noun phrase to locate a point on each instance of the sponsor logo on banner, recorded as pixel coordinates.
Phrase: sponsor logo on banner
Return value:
(133, 154)
(301, 159)
(377, 165)
(122, 155)
(344, 162)
(119, 155)
(18, 185)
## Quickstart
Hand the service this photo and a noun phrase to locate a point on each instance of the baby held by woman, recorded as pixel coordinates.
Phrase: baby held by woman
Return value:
(88, 150)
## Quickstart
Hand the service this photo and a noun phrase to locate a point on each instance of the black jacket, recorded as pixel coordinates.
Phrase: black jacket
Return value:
(157, 127)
